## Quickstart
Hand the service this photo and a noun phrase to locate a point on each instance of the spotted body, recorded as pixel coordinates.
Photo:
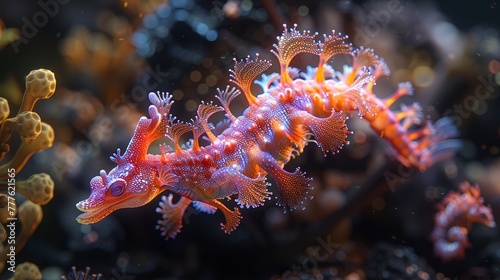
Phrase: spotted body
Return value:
(294, 109)
(458, 211)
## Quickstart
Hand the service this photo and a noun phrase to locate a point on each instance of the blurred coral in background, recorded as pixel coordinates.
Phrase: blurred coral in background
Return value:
(34, 136)
(370, 218)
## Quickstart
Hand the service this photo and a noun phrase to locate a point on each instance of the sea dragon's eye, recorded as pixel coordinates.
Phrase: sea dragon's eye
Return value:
(117, 187)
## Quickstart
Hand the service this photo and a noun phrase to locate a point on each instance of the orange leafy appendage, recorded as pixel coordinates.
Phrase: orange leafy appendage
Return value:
(294, 107)
(457, 213)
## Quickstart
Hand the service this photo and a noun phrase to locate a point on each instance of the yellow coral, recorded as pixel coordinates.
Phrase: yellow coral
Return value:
(27, 271)
(28, 148)
(39, 188)
(35, 136)
(4, 211)
(4, 109)
(8, 35)
(28, 125)
(40, 84)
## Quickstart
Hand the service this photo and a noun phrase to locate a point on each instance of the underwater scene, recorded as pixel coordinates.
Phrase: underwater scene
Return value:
(244, 139)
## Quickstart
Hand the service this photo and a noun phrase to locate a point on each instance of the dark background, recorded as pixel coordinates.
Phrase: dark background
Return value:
(106, 58)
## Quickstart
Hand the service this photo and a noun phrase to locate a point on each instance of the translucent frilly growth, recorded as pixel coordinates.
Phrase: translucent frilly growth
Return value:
(245, 72)
(291, 43)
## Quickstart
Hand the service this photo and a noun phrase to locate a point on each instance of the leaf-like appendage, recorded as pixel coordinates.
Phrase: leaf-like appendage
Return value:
(330, 132)
(226, 97)
(175, 131)
(334, 45)
(205, 110)
(291, 43)
(245, 72)
(172, 213)
(403, 89)
(367, 58)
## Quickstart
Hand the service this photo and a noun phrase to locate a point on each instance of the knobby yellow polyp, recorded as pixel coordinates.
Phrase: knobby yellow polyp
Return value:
(21, 221)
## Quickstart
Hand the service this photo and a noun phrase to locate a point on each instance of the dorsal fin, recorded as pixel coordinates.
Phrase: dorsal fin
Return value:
(226, 97)
(175, 131)
(245, 72)
(149, 129)
(291, 43)
(332, 46)
(204, 112)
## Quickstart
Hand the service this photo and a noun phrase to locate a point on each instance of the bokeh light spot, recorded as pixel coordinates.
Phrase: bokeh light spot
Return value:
(303, 11)
(423, 76)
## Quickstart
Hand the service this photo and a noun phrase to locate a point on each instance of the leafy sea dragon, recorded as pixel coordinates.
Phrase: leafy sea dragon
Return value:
(294, 109)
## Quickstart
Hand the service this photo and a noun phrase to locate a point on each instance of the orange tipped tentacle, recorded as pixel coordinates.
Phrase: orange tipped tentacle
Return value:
(252, 192)
(204, 112)
(295, 131)
(174, 133)
(320, 72)
(403, 89)
(367, 58)
(333, 45)
(413, 112)
(232, 217)
(330, 132)
(410, 115)
(172, 213)
(293, 188)
(357, 97)
(291, 43)
(226, 97)
(421, 132)
(382, 69)
(197, 130)
(245, 72)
